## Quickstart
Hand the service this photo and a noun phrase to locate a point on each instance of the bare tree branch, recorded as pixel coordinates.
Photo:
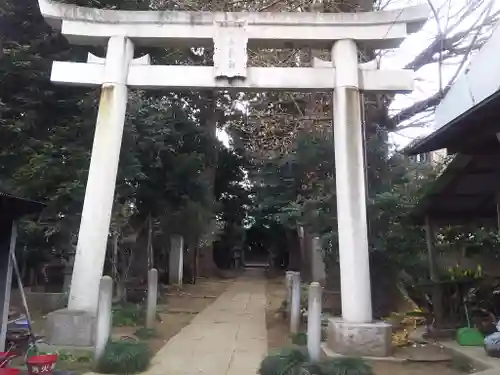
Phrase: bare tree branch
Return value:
(445, 47)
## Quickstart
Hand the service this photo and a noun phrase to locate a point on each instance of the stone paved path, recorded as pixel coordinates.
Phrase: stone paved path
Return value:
(229, 337)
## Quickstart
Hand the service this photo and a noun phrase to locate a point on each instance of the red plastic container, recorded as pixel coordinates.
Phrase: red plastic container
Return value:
(41, 364)
(9, 371)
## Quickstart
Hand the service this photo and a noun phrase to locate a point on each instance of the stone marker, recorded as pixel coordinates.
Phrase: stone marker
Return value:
(288, 284)
(317, 263)
(295, 307)
(176, 260)
(152, 298)
(314, 321)
(103, 318)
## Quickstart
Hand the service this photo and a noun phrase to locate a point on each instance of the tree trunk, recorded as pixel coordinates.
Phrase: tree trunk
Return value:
(207, 266)
(306, 252)
(293, 250)
(121, 292)
(196, 255)
(149, 245)
(114, 258)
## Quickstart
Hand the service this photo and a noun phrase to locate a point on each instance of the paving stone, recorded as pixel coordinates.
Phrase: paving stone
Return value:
(229, 337)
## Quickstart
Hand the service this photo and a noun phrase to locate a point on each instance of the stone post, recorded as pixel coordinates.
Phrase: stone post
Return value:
(318, 264)
(314, 321)
(176, 260)
(288, 285)
(68, 271)
(100, 190)
(350, 181)
(104, 317)
(295, 306)
(152, 298)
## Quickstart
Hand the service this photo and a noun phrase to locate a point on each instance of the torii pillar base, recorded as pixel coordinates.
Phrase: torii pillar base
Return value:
(70, 328)
(359, 339)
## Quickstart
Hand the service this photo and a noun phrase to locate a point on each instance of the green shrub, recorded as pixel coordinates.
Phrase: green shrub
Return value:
(287, 361)
(295, 361)
(124, 357)
(345, 366)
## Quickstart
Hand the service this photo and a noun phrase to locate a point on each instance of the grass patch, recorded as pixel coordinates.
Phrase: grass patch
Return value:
(124, 357)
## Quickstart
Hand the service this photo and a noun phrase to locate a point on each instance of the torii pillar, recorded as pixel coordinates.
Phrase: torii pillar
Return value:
(230, 34)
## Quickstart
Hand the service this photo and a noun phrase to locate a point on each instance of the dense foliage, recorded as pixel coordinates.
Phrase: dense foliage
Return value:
(124, 357)
(295, 361)
(170, 172)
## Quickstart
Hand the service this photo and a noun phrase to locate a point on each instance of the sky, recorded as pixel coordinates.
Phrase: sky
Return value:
(427, 78)
(427, 82)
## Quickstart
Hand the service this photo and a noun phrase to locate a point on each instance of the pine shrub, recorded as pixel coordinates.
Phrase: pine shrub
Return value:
(124, 357)
(287, 361)
(295, 361)
(345, 366)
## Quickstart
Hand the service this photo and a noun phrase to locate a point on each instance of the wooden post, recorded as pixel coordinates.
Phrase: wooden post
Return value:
(436, 294)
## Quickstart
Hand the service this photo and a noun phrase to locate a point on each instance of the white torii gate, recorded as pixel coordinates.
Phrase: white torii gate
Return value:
(231, 34)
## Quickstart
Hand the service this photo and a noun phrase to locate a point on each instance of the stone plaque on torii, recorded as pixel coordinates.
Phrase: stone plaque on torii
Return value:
(231, 34)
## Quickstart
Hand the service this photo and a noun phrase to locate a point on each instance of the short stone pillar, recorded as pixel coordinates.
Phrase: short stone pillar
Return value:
(176, 260)
(317, 263)
(152, 298)
(104, 317)
(295, 305)
(288, 286)
(314, 321)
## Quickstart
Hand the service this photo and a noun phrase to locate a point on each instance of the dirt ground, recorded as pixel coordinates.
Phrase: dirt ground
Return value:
(278, 336)
(177, 308)
(409, 368)
(277, 329)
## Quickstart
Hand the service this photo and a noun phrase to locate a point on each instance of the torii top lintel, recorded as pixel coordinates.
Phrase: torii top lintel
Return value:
(90, 26)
